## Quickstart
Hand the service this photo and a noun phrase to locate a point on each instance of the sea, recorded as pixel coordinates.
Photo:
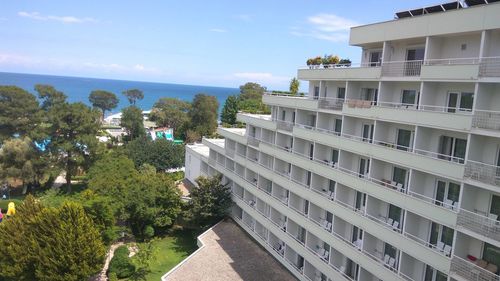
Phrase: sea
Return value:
(78, 88)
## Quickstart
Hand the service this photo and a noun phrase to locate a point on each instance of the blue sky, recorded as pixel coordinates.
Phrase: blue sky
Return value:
(216, 43)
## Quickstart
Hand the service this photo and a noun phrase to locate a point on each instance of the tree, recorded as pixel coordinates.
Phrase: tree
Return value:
(133, 95)
(50, 96)
(171, 113)
(203, 114)
(251, 91)
(210, 202)
(112, 174)
(294, 86)
(162, 154)
(19, 160)
(19, 112)
(229, 111)
(63, 244)
(103, 100)
(133, 122)
(73, 129)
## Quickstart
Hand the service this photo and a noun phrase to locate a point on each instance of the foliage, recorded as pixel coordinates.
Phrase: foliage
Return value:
(63, 244)
(132, 121)
(133, 95)
(73, 129)
(49, 96)
(121, 264)
(294, 86)
(210, 202)
(143, 260)
(251, 90)
(112, 174)
(19, 112)
(346, 62)
(192, 136)
(229, 111)
(103, 100)
(330, 59)
(203, 114)
(255, 106)
(171, 113)
(18, 159)
(161, 153)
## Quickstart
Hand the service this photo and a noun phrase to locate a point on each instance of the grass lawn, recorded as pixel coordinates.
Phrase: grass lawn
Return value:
(171, 250)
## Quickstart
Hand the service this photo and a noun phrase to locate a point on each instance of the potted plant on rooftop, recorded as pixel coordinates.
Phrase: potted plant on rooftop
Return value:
(345, 62)
(330, 61)
(317, 61)
(310, 62)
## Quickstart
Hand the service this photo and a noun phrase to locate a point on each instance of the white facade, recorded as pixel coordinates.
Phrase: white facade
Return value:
(387, 171)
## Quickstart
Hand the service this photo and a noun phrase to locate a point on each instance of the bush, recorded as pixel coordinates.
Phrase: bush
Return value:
(113, 277)
(149, 232)
(121, 265)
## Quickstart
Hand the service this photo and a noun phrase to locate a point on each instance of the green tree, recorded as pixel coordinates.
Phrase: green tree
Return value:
(63, 244)
(49, 96)
(210, 202)
(19, 112)
(229, 111)
(203, 114)
(251, 91)
(162, 154)
(73, 129)
(171, 113)
(112, 174)
(103, 100)
(133, 95)
(133, 122)
(294, 86)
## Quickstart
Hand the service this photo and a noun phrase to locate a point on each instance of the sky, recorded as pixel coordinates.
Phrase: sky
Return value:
(216, 43)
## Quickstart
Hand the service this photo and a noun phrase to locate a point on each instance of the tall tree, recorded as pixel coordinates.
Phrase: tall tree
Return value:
(251, 91)
(294, 86)
(73, 129)
(133, 95)
(133, 122)
(19, 160)
(161, 153)
(210, 202)
(229, 111)
(203, 114)
(63, 244)
(49, 96)
(19, 112)
(103, 100)
(171, 113)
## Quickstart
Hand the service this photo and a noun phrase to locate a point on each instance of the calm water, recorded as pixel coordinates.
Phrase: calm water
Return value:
(78, 89)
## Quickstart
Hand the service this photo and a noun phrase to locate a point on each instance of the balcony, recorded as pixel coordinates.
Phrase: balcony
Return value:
(483, 119)
(402, 68)
(450, 69)
(370, 71)
(290, 101)
(466, 270)
(435, 116)
(482, 172)
(489, 67)
(480, 223)
(330, 103)
(258, 120)
(284, 125)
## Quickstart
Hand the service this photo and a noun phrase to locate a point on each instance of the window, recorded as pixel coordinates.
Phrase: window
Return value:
(495, 205)
(404, 139)
(491, 254)
(409, 97)
(316, 91)
(454, 147)
(460, 101)
(441, 233)
(335, 156)
(399, 175)
(369, 94)
(341, 93)
(331, 186)
(360, 201)
(367, 133)
(375, 58)
(448, 191)
(364, 167)
(390, 250)
(283, 115)
(338, 126)
(432, 274)
(395, 213)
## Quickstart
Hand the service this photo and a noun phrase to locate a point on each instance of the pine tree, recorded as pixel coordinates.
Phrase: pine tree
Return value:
(229, 111)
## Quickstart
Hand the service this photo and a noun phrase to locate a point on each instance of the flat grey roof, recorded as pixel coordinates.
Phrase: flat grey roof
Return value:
(230, 254)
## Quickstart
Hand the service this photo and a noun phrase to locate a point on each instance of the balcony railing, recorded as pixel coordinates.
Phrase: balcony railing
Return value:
(482, 172)
(402, 68)
(341, 66)
(470, 271)
(489, 67)
(284, 125)
(330, 103)
(487, 226)
(485, 119)
(253, 141)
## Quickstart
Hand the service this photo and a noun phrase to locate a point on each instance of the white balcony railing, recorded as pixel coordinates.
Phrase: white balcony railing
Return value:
(487, 226)
(402, 68)
(253, 141)
(489, 67)
(330, 103)
(485, 119)
(470, 271)
(342, 66)
(452, 61)
(482, 172)
(284, 125)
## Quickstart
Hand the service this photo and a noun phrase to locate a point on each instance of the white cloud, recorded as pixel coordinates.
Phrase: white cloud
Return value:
(62, 19)
(218, 30)
(327, 27)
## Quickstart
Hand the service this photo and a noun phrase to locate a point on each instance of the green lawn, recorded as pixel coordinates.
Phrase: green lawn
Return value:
(171, 250)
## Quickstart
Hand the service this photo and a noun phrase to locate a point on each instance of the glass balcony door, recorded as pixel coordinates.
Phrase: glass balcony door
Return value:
(404, 139)
(449, 146)
(460, 102)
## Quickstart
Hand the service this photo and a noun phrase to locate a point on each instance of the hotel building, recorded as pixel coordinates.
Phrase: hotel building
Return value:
(385, 170)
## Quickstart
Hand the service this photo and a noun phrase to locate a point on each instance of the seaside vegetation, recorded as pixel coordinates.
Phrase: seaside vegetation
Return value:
(249, 100)
(111, 193)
